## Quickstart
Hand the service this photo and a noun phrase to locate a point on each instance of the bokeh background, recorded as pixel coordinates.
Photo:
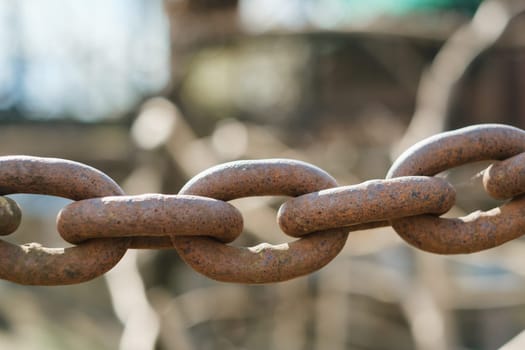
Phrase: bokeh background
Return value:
(153, 92)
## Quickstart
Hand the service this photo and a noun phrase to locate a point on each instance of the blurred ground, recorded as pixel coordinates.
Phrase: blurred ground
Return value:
(153, 93)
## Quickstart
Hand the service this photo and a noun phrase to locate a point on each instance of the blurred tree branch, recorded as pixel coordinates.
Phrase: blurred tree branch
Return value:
(437, 84)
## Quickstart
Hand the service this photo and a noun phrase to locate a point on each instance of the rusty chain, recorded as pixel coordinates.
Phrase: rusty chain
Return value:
(103, 222)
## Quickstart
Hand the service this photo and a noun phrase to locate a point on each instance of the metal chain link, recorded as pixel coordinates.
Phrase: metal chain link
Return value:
(103, 222)
(482, 229)
(38, 265)
(263, 263)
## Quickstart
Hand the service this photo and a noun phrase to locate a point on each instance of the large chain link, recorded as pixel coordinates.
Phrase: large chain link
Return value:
(103, 222)
(482, 229)
(34, 264)
(265, 262)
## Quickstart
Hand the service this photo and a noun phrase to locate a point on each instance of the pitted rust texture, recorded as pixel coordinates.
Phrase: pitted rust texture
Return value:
(56, 266)
(266, 177)
(477, 231)
(10, 216)
(505, 179)
(454, 148)
(264, 263)
(149, 215)
(34, 264)
(54, 177)
(370, 201)
(480, 230)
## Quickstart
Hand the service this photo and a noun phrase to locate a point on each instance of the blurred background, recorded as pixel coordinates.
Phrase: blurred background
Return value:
(153, 92)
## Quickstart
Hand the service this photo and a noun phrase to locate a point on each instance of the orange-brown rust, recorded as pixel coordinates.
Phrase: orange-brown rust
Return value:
(54, 177)
(267, 177)
(454, 148)
(477, 231)
(480, 230)
(33, 264)
(410, 199)
(370, 201)
(505, 179)
(264, 263)
(37, 265)
(149, 215)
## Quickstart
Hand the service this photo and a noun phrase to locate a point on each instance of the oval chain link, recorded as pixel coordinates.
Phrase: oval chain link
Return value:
(369, 202)
(148, 216)
(37, 265)
(263, 263)
(479, 230)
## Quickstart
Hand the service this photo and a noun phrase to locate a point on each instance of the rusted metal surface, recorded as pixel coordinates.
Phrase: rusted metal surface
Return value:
(33, 264)
(149, 215)
(37, 265)
(10, 216)
(54, 177)
(198, 222)
(480, 230)
(264, 263)
(454, 148)
(505, 179)
(472, 233)
(267, 177)
(370, 201)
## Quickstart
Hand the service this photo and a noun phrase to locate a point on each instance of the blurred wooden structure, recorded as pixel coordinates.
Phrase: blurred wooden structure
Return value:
(350, 72)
